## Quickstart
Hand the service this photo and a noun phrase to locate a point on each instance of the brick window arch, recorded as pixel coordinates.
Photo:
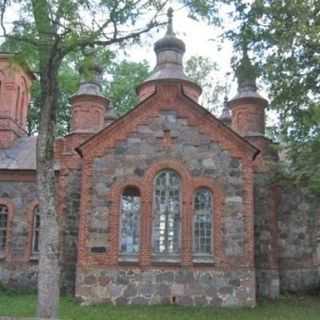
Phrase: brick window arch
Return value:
(4, 228)
(7, 209)
(35, 231)
(166, 224)
(202, 222)
(130, 221)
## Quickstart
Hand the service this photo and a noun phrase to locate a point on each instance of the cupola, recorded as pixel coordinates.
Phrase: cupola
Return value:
(89, 105)
(248, 106)
(169, 66)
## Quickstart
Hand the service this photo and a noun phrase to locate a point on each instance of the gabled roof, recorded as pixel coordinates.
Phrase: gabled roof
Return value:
(128, 118)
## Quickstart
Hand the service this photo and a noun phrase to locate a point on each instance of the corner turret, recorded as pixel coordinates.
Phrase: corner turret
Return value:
(89, 105)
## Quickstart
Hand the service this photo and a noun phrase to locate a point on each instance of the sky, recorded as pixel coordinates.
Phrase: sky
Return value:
(200, 38)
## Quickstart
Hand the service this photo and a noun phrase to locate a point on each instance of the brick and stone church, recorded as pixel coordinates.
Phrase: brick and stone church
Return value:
(166, 204)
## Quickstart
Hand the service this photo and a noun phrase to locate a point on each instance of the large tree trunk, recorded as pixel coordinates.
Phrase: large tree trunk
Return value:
(49, 260)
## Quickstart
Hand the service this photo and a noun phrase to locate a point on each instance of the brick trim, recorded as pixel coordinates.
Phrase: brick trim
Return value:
(11, 212)
(217, 216)
(115, 196)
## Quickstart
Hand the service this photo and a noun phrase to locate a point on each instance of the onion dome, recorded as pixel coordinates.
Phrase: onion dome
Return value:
(246, 74)
(169, 51)
(226, 113)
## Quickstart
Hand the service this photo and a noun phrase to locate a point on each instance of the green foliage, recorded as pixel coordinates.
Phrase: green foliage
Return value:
(284, 38)
(201, 70)
(126, 76)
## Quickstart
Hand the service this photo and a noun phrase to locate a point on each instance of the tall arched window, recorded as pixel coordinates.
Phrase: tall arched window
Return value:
(17, 103)
(35, 230)
(166, 211)
(202, 222)
(4, 218)
(130, 221)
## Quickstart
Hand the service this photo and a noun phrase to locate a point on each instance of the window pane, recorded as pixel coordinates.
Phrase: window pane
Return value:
(3, 226)
(166, 225)
(130, 211)
(202, 223)
(35, 230)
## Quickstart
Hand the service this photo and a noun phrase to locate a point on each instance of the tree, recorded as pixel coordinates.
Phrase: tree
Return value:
(54, 30)
(125, 77)
(283, 36)
(200, 69)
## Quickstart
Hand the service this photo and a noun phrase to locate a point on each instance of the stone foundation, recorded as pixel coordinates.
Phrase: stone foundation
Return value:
(268, 283)
(299, 280)
(22, 275)
(156, 286)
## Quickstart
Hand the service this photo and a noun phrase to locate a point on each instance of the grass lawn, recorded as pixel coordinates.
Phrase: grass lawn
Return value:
(291, 308)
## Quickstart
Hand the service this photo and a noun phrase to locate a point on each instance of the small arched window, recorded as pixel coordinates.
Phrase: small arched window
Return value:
(166, 213)
(17, 103)
(4, 221)
(130, 221)
(202, 222)
(35, 230)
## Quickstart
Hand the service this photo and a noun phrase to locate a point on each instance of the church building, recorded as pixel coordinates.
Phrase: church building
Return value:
(166, 204)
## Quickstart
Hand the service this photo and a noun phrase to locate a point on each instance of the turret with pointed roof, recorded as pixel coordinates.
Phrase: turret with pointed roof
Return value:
(248, 106)
(89, 105)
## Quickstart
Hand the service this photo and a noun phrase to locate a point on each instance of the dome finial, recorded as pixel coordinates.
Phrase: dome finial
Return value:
(170, 25)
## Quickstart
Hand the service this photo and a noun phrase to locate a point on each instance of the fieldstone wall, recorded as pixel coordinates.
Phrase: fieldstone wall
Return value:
(266, 251)
(143, 148)
(162, 138)
(21, 273)
(158, 286)
(20, 268)
(299, 240)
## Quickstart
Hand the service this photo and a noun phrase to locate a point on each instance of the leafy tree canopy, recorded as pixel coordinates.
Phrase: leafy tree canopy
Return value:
(284, 39)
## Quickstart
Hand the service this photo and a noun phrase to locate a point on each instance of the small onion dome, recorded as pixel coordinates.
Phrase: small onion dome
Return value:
(226, 114)
(246, 74)
(170, 41)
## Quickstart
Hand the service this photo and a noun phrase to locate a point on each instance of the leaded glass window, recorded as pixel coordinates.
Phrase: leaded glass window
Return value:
(35, 230)
(4, 214)
(202, 222)
(166, 210)
(129, 225)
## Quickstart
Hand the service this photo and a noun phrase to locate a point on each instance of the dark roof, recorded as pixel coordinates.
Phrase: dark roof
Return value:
(21, 156)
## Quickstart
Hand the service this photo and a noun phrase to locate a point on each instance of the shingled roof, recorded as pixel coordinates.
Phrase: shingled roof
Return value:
(21, 156)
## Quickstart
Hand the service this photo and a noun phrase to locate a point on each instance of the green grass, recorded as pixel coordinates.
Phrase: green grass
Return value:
(290, 307)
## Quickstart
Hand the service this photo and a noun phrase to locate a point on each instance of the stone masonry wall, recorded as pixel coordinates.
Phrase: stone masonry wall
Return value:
(165, 139)
(17, 269)
(186, 287)
(132, 158)
(266, 244)
(299, 240)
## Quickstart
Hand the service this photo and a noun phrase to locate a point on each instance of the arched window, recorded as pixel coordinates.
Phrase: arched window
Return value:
(202, 222)
(35, 230)
(4, 218)
(166, 213)
(17, 103)
(130, 220)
